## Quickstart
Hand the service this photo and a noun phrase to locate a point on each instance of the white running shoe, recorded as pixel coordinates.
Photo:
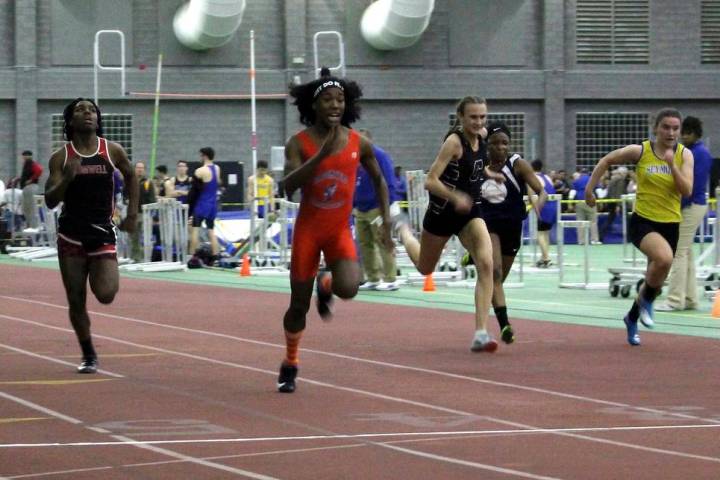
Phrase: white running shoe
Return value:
(646, 313)
(369, 286)
(665, 307)
(483, 342)
(387, 287)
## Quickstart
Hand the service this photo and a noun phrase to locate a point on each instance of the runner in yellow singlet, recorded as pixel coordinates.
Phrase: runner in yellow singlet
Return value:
(265, 189)
(664, 171)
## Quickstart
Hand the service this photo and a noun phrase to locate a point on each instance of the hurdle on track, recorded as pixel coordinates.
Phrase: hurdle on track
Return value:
(533, 235)
(43, 238)
(172, 218)
(269, 242)
(627, 206)
(581, 226)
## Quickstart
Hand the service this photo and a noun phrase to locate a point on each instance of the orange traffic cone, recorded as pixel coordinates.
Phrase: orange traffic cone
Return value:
(716, 305)
(429, 285)
(245, 268)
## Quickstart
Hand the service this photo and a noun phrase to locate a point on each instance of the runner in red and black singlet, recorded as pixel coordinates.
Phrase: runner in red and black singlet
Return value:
(82, 177)
(322, 160)
(88, 205)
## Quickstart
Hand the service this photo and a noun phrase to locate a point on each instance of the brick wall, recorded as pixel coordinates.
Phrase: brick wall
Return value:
(408, 94)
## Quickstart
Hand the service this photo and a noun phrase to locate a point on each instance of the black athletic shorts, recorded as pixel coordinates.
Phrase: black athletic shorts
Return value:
(91, 236)
(209, 222)
(510, 234)
(544, 226)
(447, 222)
(641, 226)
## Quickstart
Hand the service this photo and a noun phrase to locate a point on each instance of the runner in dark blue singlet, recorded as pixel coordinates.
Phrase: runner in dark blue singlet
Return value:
(504, 211)
(203, 200)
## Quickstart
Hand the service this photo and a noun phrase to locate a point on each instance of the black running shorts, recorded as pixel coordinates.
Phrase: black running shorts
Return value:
(510, 234)
(641, 226)
(447, 222)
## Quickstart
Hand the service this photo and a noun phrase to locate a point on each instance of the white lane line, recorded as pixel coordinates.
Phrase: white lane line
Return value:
(40, 408)
(395, 399)
(163, 451)
(467, 463)
(580, 398)
(170, 462)
(51, 359)
(345, 436)
(62, 472)
(198, 461)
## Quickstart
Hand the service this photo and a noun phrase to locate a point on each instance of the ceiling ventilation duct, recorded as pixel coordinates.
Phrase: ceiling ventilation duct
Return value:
(395, 24)
(206, 24)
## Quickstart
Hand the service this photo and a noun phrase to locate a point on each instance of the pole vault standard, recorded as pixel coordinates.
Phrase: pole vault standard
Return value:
(156, 118)
(97, 66)
(253, 141)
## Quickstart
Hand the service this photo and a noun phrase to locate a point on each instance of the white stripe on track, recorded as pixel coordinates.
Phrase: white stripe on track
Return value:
(467, 463)
(554, 393)
(348, 436)
(163, 451)
(401, 367)
(55, 360)
(389, 397)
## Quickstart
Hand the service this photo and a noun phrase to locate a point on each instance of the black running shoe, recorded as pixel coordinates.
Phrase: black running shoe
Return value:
(323, 289)
(88, 365)
(507, 334)
(286, 379)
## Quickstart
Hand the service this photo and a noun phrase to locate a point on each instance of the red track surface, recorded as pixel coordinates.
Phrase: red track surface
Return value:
(191, 364)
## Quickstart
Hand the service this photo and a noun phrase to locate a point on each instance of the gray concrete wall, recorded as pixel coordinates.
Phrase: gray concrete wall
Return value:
(8, 157)
(7, 32)
(518, 54)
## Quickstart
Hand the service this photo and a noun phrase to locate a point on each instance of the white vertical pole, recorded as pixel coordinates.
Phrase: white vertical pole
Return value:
(156, 117)
(96, 61)
(253, 139)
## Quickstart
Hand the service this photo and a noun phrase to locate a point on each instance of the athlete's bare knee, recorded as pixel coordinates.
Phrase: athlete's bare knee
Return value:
(294, 320)
(105, 297)
(497, 273)
(425, 269)
(76, 306)
(345, 290)
(662, 263)
(484, 263)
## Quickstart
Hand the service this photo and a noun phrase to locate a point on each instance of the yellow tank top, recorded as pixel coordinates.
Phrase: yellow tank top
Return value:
(264, 188)
(658, 198)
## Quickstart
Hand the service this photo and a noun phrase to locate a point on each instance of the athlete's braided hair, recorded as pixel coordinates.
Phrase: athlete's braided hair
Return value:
(68, 114)
(305, 97)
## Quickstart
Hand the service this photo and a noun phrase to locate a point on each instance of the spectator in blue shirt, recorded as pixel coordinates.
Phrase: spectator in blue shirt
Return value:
(378, 264)
(547, 217)
(682, 290)
(582, 210)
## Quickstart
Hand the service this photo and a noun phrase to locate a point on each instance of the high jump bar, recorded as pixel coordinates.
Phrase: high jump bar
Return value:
(238, 96)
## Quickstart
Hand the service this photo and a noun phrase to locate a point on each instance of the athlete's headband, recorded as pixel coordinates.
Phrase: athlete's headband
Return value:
(497, 127)
(325, 85)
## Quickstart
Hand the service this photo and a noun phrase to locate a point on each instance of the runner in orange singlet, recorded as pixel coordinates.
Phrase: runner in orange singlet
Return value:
(323, 160)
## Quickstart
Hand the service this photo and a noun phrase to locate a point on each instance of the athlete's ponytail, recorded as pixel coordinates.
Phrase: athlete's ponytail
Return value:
(460, 111)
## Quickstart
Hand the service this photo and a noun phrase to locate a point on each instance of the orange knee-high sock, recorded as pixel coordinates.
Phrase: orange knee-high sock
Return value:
(292, 342)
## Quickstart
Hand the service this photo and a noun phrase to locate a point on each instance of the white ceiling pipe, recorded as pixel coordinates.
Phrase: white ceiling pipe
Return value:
(395, 24)
(205, 24)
